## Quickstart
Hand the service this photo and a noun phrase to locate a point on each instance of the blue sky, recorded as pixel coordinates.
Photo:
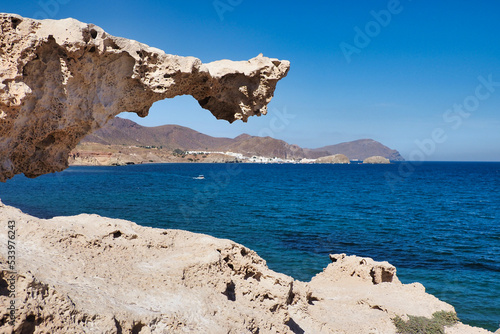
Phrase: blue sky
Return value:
(399, 86)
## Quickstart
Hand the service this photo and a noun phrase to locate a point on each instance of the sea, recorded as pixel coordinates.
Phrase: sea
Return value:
(437, 222)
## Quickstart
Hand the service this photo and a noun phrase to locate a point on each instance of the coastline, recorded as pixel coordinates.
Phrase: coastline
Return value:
(92, 272)
(94, 154)
(88, 273)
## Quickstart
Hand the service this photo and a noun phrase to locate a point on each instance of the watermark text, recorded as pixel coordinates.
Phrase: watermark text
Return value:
(12, 271)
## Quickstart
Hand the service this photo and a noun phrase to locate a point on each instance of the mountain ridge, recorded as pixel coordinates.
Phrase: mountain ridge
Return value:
(362, 149)
(120, 131)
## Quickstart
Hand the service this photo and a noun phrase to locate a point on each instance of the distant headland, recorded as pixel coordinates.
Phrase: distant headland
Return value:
(122, 141)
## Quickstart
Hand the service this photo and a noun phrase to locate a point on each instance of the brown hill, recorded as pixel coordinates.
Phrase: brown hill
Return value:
(264, 146)
(121, 131)
(358, 149)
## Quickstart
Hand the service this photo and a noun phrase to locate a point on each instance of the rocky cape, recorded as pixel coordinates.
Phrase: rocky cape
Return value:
(60, 80)
(90, 274)
(359, 149)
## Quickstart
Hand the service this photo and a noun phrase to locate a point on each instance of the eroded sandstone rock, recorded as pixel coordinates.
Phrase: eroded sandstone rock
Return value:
(60, 80)
(90, 274)
(363, 268)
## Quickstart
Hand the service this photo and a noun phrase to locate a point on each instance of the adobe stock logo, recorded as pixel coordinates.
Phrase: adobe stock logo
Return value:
(278, 123)
(372, 29)
(223, 6)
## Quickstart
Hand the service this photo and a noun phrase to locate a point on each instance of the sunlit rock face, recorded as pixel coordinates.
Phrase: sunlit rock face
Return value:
(91, 274)
(62, 79)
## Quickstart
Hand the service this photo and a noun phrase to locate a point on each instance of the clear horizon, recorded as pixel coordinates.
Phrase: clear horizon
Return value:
(420, 78)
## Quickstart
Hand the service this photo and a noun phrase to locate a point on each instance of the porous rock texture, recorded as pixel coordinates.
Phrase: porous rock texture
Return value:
(62, 79)
(89, 274)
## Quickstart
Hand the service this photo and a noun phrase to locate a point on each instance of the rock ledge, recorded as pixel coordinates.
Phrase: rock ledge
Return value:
(90, 274)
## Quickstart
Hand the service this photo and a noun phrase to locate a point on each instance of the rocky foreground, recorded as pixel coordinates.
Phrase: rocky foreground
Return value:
(90, 274)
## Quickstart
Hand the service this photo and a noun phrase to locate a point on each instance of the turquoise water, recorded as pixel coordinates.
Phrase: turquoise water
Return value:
(439, 224)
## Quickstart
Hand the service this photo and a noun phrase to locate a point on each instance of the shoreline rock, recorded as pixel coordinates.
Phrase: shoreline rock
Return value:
(333, 159)
(91, 274)
(376, 160)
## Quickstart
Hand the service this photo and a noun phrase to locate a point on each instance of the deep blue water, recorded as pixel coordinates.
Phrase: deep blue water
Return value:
(438, 223)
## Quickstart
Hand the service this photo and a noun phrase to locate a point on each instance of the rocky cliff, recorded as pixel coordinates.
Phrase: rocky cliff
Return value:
(60, 80)
(89, 274)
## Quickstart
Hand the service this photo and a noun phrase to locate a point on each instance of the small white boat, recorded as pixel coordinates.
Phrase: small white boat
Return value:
(199, 177)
